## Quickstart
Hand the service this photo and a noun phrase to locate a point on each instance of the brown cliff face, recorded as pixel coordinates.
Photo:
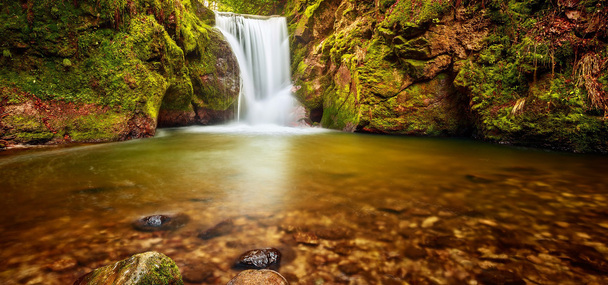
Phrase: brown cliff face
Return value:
(480, 68)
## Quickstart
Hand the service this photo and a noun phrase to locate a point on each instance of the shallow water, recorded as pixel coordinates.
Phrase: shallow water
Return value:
(342, 208)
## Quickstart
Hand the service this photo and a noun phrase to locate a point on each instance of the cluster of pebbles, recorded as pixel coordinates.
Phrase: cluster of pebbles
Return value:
(490, 229)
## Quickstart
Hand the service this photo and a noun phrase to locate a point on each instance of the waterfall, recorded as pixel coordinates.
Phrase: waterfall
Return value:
(261, 46)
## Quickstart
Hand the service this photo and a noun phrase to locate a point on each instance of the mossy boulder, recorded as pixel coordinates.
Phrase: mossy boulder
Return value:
(427, 108)
(140, 269)
(104, 70)
(498, 70)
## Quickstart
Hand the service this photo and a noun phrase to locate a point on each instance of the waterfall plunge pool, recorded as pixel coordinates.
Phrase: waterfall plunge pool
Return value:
(341, 207)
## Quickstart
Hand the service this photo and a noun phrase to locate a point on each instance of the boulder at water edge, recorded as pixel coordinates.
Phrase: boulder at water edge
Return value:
(149, 268)
(258, 277)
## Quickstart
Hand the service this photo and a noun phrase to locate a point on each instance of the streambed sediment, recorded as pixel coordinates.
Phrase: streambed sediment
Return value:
(341, 208)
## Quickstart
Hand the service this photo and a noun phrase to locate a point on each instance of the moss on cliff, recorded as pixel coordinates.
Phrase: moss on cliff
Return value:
(528, 73)
(130, 57)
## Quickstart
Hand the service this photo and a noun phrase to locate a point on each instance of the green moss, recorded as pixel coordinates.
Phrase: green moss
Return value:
(66, 62)
(341, 101)
(32, 129)
(97, 127)
(379, 76)
(416, 12)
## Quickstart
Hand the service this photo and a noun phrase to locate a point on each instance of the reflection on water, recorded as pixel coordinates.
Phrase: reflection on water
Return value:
(342, 208)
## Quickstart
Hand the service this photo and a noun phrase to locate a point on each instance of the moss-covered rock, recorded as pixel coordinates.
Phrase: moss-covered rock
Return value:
(104, 69)
(427, 108)
(500, 71)
(140, 269)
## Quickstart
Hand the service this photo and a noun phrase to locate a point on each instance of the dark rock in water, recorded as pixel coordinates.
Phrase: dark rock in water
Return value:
(434, 241)
(343, 248)
(529, 171)
(478, 179)
(258, 277)
(259, 259)
(222, 228)
(414, 252)
(499, 277)
(140, 269)
(335, 233)
(588, 258)
(161, 222)
(350, 268)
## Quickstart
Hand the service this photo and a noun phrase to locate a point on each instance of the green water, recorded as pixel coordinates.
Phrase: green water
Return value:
(401, 209)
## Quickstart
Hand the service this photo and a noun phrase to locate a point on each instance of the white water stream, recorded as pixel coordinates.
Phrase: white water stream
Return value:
(261, 46)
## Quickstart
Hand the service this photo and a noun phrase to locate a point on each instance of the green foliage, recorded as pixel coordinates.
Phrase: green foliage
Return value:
(254, 7)
(418, 12)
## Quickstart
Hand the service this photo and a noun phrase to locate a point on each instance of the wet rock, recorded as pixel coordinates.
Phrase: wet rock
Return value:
(414, 252)
(258, 277)
(222, 228)
(306, 238)
(63, 264)
(349, 268)
(335, 233)
(499, 277)
(434, 241)
(588, 258)
(161, 222)
(144, 268)
(419, 212)
(343, 248)
(478, 179)
(429, 222)
(197, 272)
(259, 259)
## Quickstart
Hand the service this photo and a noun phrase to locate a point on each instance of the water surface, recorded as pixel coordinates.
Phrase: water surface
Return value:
(341, 207)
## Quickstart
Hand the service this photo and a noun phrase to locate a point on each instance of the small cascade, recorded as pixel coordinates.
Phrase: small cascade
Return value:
(261, 46)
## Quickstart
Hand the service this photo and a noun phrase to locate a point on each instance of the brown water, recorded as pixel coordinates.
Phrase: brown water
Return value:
(342, 208)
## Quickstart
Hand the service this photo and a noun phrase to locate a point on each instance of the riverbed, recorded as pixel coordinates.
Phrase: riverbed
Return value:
(342, 208)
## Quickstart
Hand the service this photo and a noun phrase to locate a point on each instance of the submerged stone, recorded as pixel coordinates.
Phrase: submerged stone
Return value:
(197, 272)
(144, 268)
(259, 259)
(306, 238)
(161, 222)
(350, 268)
(334, 233)
(502, 277)
(414, 252)
(222, 228)
(258, 277)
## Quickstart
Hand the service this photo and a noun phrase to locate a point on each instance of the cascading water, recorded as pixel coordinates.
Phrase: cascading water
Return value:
(261, 46)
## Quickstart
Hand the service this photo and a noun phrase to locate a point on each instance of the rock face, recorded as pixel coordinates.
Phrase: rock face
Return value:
(434, 68)
(144, 268)
(254, 277)
(89, 71)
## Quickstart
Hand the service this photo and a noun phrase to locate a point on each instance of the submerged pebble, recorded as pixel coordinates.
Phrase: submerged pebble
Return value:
(222, 228)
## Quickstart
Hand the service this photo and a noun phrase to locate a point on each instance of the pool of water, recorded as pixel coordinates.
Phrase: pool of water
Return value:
(342, 208)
